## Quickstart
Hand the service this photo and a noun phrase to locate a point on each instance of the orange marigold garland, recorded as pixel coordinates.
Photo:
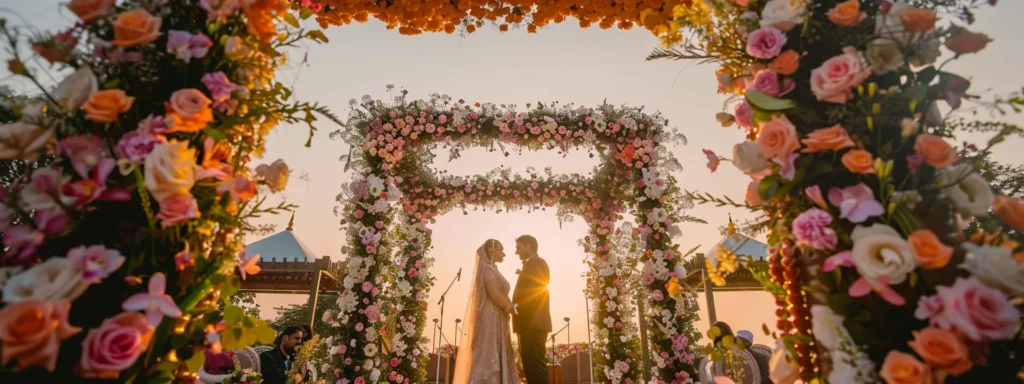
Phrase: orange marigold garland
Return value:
(413, 17)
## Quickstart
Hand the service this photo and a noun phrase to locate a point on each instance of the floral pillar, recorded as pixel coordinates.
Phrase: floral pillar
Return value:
(407, 358)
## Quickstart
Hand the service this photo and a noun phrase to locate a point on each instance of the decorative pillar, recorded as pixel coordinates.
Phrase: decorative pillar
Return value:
(709, 289)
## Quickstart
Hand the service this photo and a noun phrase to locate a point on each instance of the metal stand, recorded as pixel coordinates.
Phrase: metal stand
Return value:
(440, 324)
(590, 344)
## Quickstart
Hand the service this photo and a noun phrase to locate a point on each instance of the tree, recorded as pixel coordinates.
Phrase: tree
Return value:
(244, 300)
(295, 314)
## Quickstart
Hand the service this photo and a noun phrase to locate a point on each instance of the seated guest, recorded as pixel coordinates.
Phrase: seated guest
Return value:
(746, 338)
(218, 366)
(274, 364)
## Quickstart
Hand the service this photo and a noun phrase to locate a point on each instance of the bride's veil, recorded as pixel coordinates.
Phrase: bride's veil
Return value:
(477, 296)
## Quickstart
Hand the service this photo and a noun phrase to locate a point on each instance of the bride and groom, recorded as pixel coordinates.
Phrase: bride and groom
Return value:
(486, 355)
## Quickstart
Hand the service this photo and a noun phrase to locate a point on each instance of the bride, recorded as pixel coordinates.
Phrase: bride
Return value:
(486, 355)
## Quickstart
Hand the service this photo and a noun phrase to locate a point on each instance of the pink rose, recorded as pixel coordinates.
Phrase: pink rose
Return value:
(979, 312)
(177, 208)
(765, 43)
(135, 145)
(768, 83)
(115, 345)
(744, 115)
(834, 80)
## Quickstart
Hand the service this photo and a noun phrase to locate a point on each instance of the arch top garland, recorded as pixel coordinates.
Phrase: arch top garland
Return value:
(391, 146)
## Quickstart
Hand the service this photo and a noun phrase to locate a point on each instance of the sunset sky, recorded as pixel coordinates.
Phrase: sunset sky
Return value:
(561, 62)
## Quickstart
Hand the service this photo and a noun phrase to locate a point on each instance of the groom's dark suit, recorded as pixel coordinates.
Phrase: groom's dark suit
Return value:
(533, 323)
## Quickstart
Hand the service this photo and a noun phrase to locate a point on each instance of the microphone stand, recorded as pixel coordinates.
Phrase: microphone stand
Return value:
(553, 342)
(440, 324)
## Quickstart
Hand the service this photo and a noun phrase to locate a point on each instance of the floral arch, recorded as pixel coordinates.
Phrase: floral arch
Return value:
(394, 196)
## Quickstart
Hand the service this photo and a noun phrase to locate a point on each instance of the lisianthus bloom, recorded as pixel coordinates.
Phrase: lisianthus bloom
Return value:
(811, 228)
(185, 45)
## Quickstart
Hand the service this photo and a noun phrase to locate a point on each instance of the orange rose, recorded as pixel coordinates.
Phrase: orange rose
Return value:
(188, 110)
(104, 106)
(136, 27)
(1010, 211)
(929, 252)
(778, 138)
(936, 151)
(918, 20)
(847, 13)
(786, 63)
(89, 10)
(942, 349)
(827, 139)
(965, 41)
(859, 161)
(904, 368)
(31, 332)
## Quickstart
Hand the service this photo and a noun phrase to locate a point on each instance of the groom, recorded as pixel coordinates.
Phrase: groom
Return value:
(532, 322)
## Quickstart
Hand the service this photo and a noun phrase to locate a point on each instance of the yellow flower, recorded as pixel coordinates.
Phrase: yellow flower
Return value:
(673, 287)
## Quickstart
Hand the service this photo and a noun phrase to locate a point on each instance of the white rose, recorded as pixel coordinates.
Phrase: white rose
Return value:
(996, 267)
(680, 270)
(782, 366)
(890, 25)
(170, 169)
(827, 326)
(880, 252)
(75, 89)
(884, 56)
(24, 141)
(783, 14)
(747, 157)
(972, 195)
(54, 279)
(274, 175)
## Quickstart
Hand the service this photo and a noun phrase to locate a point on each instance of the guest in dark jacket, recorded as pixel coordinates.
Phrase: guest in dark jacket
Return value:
(274, 364)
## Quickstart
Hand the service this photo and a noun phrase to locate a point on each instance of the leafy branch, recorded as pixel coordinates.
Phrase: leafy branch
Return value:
(723, 201)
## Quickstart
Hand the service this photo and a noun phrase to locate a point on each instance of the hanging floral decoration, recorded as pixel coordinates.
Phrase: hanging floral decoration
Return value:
(394, 196)
(865, 198)
(119, 250)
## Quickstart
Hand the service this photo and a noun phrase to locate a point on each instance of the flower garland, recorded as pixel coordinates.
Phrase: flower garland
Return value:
(415, 17)
(122, 246)
(392, 143)
(865, 199)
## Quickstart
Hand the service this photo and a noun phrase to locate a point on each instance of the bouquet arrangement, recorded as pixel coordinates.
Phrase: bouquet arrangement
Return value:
(121, 247)
(243, 375)
(864, 197)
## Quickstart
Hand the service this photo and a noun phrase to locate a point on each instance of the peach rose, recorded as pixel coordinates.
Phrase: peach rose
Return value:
(859, 161)
(1010, 211)
(827, 139)
(918, 20)
(847, 13)
(777, 138)
(89, 10)
(115, 345)
(835, 79)
(929, 251)
(104, 106)
(942, 349)
(904, 368)
(964, 41)
(136, 27)
(177, 209)
(31, 332)
(24, 141)
(936, 151)
(786, 63)
(170, 170)
(188, 110)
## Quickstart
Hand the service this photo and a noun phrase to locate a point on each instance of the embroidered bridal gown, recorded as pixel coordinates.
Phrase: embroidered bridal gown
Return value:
(486, 355)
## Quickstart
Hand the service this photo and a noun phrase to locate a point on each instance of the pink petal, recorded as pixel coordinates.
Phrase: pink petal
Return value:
(103, 170)
(157, 284)
(835, 196)
(813, 193)
(136, 302)
(154, 317)
(865, 209)
(115, 194)
(888, 294)
(860, 288)
(168, 307)
(841, 259)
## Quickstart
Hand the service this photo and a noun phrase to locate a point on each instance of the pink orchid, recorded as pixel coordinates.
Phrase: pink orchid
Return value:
(96, 262)
(186, 45)
(841, 259)
(22, 242)
(248, 265)
(85, 152)
(95, 187)
(156, 303)
(856, 203)
(931, 308)
(51, 221)
(713, 160)
(813, 194)
(864, 286)
(786, 167)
